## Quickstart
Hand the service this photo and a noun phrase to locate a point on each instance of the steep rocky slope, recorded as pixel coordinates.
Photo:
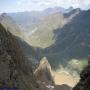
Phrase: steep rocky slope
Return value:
(84, 83)
(15, 69)
(11, 26)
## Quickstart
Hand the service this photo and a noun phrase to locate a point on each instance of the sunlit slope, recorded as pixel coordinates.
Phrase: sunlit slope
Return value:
(44, 34)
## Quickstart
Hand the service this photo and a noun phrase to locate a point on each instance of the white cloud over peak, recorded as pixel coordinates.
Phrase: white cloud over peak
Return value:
(28, 5)
(42, 4)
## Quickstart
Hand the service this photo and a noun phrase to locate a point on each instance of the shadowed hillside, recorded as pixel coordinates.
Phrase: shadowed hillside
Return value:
(15, 69)
(72, 41)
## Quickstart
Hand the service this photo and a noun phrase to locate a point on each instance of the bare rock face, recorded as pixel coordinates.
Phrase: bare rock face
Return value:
(15, 69)
(44, 73)
(84, 83)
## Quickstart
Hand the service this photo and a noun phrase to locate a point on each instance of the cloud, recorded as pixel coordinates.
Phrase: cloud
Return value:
(85, 4)
(42, 4)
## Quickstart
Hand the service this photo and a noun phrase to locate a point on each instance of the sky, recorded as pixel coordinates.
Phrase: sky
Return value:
(30, 5)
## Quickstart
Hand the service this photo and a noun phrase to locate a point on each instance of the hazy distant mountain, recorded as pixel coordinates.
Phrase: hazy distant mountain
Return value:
(58, 9)
(28, 20)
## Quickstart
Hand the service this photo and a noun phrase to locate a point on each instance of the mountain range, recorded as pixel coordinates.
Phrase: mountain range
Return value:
(16, 70)
(72, 40)
(28, 20)
(61, 36)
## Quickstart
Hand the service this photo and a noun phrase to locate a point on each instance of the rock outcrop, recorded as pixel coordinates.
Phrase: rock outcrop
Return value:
(84, 83)
(44, 73)
(15, 69)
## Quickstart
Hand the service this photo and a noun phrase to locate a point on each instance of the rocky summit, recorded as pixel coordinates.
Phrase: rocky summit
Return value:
(44, 72)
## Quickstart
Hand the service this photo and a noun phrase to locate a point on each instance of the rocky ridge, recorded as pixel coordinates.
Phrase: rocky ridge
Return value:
(44, 72)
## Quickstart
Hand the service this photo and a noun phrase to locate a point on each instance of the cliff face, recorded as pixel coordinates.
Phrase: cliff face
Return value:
(84, 83)
(15, 69)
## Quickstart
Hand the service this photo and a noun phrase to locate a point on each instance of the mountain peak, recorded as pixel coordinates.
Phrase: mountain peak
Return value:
(44, 61)
(44, 73)
(3, 16)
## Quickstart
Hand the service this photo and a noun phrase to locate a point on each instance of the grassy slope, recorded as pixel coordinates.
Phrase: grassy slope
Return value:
(44, 36)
